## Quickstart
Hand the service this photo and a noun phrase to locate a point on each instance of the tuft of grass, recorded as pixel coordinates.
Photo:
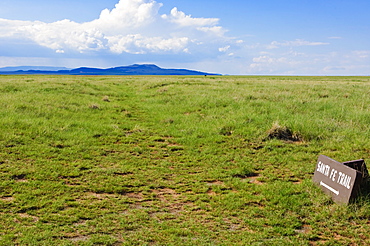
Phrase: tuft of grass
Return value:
(94, 106)
(282, 133)
(106, 99)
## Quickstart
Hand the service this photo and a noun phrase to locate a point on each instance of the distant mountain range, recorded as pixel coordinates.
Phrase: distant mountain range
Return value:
(136, 69)
(26, 68)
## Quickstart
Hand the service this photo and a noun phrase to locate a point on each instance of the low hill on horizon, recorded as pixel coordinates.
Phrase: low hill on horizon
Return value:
(136, 69)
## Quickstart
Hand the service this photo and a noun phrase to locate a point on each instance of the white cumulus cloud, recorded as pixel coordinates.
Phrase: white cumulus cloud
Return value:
(138, 44)
(132, 26)
(127, 15)
(182, 19)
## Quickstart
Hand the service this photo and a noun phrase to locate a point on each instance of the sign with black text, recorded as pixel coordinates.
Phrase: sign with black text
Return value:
(336, 179)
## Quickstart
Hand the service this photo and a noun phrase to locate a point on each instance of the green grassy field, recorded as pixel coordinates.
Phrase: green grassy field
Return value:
(178, 160)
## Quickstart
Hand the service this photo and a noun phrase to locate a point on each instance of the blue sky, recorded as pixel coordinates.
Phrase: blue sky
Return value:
(292, 37)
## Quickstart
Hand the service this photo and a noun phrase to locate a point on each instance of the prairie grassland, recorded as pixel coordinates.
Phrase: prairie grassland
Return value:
(178, 160)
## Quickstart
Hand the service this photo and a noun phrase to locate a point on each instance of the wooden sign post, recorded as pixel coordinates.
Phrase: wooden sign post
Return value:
(338, 180)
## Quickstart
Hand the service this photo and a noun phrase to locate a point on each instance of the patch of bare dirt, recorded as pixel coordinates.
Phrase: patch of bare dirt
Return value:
(80, 223)
(215, 182)
(237, 225)
(173, 202)
(166, 194)
(297, 181)
(24, 215)
(7, 199)
(101, 196)
(254, 179)
(305, 229)
(138, 196)
(211, 192)
(79, 238)
(22, 180)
